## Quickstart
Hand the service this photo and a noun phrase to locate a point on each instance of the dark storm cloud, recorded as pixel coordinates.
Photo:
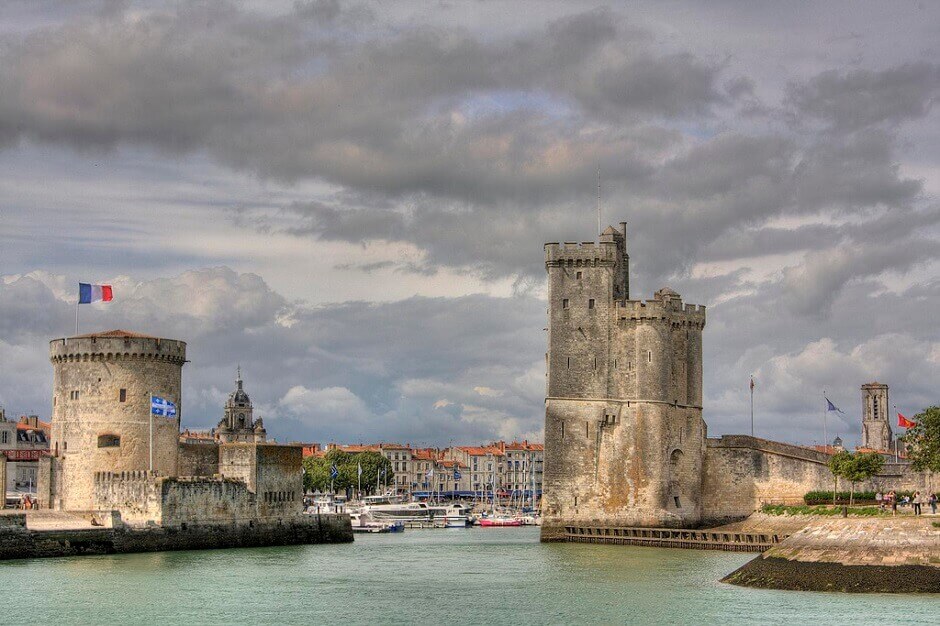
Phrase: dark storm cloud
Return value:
(861, 98)
(788, 182)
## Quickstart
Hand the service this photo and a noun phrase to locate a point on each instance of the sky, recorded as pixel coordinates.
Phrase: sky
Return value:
(350, 199)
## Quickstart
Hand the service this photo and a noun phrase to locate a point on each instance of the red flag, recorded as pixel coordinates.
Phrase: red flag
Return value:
(752, 383)
(903, 422)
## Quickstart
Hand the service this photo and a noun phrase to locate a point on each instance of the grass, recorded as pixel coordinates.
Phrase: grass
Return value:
(803, 509)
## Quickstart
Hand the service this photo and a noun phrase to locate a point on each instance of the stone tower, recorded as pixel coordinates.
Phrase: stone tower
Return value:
(876, 421)
(238, 423)
(101, 417)
(624, 435)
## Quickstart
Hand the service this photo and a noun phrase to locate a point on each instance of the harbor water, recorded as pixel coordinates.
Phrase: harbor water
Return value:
(478, 576)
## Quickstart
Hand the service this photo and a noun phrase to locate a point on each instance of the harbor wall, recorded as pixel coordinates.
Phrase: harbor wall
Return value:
(741, 473)
(17, 541)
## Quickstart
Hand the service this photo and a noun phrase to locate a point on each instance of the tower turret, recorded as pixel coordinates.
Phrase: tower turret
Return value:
(624, 436)
(876, 424)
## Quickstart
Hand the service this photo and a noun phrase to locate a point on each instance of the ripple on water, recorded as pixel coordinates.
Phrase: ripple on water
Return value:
(493, 576)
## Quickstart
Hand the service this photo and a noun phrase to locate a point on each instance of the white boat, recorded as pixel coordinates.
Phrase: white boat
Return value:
(455, 515)
(406, 512)
(365, 523)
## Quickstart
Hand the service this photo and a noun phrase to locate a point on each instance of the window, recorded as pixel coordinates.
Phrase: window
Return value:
(564, 303)
(591, 303)
(649, 356)
(562, 431)
(122, 395)
(578, 275)
(5, 437)
(109, 441)
(568, 364)
(676, 498)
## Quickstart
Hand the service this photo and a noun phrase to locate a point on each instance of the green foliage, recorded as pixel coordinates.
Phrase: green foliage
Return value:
(842, 497)
(859, 511)
(856, 467)
(923, 440)
(317, 471)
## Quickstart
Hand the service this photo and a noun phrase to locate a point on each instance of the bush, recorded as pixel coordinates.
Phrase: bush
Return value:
(860, 511)
(842, 497)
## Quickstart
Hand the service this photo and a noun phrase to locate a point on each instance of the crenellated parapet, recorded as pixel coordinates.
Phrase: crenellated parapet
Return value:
(586, 254)
(117, 346)
(668, 312)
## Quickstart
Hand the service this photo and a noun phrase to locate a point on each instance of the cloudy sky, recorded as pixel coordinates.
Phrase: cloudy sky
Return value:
(350, 199)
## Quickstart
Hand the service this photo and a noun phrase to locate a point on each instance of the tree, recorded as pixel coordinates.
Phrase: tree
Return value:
(856, 467)
(317, 470)
(923, 441)
(836, 465)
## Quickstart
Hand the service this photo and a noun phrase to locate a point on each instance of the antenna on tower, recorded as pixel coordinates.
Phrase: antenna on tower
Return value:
(598, 200)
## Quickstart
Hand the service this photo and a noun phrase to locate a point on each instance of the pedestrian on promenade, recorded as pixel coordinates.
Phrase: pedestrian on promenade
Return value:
(916, 500)
(893, 497)
(933, 504)
(879, 498)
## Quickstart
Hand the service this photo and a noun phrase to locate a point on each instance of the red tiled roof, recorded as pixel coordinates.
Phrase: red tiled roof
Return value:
(25, 425)
(480, 450)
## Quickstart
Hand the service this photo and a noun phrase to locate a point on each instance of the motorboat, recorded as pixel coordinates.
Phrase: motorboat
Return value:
(406, 511)
(499, 521)
(365, 523)
(455, 514)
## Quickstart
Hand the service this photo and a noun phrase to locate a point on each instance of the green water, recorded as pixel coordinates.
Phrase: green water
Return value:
(479, 576)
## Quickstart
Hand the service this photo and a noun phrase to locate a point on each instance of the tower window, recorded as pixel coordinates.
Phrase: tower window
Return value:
(578, 275)
(595, 362)
(649, 356)
(568, 362)
(122, 395)
(676, 498)
(591, 303)
(562, 431)
(109, 441)
(564, 303)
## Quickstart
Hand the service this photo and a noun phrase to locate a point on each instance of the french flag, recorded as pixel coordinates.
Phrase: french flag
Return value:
(93, 293)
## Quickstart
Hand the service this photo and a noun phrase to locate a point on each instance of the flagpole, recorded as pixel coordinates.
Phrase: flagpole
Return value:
(77, 302)
(825, 428)
(752, 405)
(150, 409)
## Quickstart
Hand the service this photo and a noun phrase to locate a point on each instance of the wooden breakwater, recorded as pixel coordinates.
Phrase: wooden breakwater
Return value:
(674, 538)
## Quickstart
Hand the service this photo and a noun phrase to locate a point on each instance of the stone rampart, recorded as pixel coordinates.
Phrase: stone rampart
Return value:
(198, 459)
(18, 542)
(741, 473)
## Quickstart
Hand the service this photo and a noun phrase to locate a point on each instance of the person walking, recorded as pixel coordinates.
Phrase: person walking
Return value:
(933, 504)
(916, 500)
(893, 497)
(879, 498)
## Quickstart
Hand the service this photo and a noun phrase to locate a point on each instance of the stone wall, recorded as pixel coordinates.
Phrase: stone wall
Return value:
(138, 495)
(3, 481)
(101, 408)
(742, 473)
(17, 541)
(198, 459)
(279, 480)
(186, 501)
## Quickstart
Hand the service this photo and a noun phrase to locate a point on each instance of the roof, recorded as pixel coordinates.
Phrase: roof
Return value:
(116, 333)
(451, 463)
(480, 450)
(610, 230)
(23, 424)
(425, 454)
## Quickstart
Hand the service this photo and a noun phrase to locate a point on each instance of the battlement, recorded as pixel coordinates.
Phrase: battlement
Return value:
(588, 253)
(669, 310)
(113, 346)
(141, 476)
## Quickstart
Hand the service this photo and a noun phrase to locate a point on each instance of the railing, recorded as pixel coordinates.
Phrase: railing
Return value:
(674, 538)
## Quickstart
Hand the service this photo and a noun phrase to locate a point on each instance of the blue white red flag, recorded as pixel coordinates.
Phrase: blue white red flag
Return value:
(832, 407)
(88, 293)
(162, 407)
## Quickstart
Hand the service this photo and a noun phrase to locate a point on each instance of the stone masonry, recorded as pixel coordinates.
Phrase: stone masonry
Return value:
(625, 440)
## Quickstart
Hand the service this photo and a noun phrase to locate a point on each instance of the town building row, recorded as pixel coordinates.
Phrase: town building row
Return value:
(514, 467)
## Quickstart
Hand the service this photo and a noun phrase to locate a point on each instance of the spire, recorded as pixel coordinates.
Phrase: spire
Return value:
(238, 376)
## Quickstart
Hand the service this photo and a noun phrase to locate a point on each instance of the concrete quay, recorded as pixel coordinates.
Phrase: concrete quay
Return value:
(886, 555)
(47, 535)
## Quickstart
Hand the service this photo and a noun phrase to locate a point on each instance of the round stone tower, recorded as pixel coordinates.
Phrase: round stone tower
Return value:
(101, 418)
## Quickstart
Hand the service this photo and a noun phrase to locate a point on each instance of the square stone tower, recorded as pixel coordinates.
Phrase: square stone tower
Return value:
(624, 436)
(876, 420)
